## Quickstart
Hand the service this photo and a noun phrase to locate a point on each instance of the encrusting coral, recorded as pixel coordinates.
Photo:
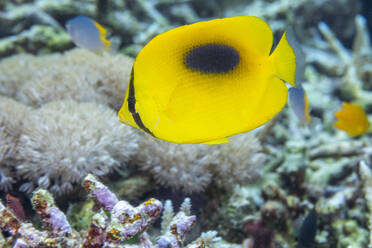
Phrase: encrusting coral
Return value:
(64, 140)
(116, 223)
(78, 74)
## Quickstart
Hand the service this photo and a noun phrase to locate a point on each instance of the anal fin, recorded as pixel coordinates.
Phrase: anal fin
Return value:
(217, 141)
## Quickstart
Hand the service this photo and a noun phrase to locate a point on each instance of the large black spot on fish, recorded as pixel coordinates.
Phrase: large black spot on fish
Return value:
(212, 58)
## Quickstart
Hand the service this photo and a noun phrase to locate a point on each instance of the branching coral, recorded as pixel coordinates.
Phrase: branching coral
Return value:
(64, 140)
(356, 66)
(133, 23)
(115, 223)
(301, 15)
(78, 74)
(365, 174)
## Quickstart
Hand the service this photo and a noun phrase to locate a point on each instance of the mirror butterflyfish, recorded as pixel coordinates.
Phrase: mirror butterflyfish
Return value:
(204, 82)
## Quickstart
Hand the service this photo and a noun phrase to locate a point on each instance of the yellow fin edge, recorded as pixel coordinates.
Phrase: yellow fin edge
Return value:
(307, 110)
(216, 142)
(102, 36)
(284, 61)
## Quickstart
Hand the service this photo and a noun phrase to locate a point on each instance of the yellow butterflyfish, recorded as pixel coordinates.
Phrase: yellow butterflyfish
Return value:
(352, 119)
(87, 33)
(204, 82)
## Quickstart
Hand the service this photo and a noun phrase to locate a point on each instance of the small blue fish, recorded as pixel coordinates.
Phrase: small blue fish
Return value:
(297, 96)
(300, 104)
(88, 34)
(307, 233)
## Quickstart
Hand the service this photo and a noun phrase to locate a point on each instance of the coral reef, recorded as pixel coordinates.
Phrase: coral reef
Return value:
(355, 68)
(166, 161)
(78, 74)
(57, 148)
(133, 23)
(297, 169)
(196, 165)
(68, 131)
(114, 223)
(366, 175)
(11, 125)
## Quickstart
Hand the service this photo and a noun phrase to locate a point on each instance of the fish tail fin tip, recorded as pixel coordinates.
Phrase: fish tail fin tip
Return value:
(307, 110)
(284, 60)
(102, 36)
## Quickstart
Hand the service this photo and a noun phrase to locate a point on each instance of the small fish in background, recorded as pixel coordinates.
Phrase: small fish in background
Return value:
(307, 233)
(352, 119)
(298, 100)
(204, 82)
(299, 104)
(15, 205)
(88, 34)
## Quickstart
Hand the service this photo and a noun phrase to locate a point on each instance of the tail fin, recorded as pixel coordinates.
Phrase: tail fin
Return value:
(284, 60)
(300, 57)
(102, 35)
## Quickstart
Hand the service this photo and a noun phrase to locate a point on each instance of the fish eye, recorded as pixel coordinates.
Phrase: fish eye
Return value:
(212, 58)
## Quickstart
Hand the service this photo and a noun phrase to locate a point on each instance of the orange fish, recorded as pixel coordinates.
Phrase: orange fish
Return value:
(352, 119)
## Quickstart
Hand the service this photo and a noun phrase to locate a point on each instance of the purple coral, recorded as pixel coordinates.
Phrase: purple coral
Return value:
(175, 227)
(100, 193)
(116, 221)
(126, 221)
(53, 217)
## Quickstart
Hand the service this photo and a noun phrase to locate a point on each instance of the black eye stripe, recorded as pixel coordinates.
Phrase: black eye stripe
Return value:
(132, 105)
(212, 58)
